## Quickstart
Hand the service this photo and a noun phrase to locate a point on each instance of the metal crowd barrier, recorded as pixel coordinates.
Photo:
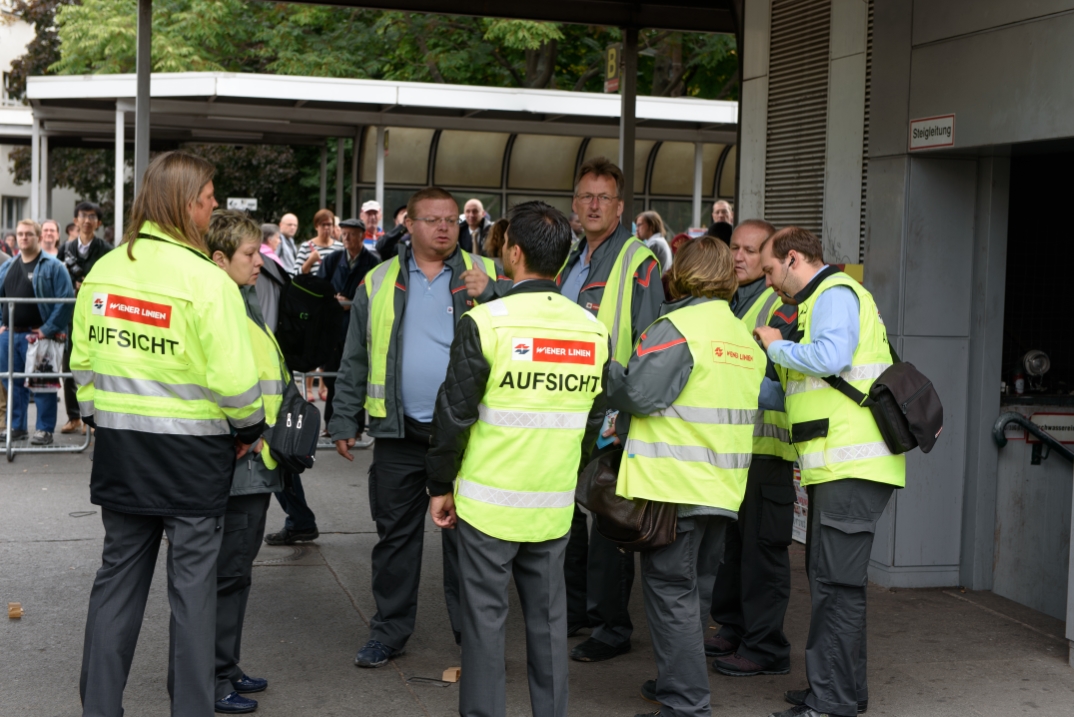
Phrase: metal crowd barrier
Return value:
(11, 376)
(300, 378)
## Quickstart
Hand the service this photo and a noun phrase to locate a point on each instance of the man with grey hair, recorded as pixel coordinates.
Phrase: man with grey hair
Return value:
(287, 250)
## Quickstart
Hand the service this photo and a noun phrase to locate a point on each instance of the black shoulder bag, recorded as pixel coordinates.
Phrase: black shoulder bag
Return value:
(293, 439)
(904, 404)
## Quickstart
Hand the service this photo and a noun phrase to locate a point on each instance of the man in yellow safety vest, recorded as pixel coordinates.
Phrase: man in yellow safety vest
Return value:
(846, 466)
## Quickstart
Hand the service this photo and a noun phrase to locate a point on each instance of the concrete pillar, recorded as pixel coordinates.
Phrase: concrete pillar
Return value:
(380, 167)
(628, 90)
(753, 108)
(846, 128)
(354, 171)
(340, 155)
(46, 187)
(324, 177)
(141, 106)
(119, 199)
(699, 163)
(35, 170)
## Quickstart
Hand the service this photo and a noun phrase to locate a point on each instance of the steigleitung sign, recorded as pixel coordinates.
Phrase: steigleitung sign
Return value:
(932, 132)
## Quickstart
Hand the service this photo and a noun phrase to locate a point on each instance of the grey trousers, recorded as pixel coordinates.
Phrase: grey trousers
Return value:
(669, 578)
(244, 527)
(486, 566)
(117, 606)
(842, 523)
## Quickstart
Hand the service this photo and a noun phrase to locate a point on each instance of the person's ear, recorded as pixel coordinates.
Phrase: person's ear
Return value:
(219, 259)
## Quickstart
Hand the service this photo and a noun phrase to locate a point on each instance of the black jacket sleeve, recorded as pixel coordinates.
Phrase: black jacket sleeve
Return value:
(456, 406)
(596, 414)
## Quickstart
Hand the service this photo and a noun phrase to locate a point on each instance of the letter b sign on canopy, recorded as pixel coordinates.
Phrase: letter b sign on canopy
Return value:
(611, 67)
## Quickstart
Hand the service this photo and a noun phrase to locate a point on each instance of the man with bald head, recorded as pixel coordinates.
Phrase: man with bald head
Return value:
(722, 212)
(286, 250)
(474, 227)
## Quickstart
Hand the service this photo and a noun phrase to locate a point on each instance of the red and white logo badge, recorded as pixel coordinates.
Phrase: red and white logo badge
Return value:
(733, 354)
(554, 351)
(136, 310)
(522, 349)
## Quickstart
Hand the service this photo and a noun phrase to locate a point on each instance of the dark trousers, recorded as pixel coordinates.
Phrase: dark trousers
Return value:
(244, 527)
(293, 501)
(487, 566)
(399, 504)
(753, 585)
(599, 580)
(70, 390)
(669, 578)
(839, 540)
(117, 606)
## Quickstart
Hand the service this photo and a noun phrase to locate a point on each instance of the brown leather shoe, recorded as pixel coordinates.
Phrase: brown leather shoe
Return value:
(75, 425)
(718, 646)
(738, 666)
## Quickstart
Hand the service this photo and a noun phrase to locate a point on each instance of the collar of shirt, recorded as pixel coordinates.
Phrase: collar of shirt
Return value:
(412, 265)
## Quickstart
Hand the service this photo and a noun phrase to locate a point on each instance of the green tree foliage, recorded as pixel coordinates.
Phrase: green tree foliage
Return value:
(98, 37)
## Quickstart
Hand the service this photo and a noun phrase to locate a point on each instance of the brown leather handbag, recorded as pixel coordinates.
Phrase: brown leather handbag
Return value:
(637, 525)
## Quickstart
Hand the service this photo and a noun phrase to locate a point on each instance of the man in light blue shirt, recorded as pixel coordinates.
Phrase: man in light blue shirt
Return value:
(426, 335)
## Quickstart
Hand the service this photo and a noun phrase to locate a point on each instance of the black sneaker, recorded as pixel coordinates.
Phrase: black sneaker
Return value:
(648, 691)
(16, 435)
(290, 537)
(41, 438)
(798, 711)
(593, 650)
(797, 697)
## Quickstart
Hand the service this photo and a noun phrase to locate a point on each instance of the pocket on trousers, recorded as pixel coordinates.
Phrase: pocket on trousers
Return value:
(777, 515)
(845, 545)
(233, 548)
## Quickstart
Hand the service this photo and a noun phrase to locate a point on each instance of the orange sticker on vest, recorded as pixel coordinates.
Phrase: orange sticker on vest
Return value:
(554, 351)
(136, 310)
(733, 354)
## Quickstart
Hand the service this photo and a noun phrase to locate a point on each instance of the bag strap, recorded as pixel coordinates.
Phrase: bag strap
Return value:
(844, 387)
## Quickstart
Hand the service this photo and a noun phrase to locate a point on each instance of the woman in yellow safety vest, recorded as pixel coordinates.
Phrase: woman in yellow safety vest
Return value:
(166, 374)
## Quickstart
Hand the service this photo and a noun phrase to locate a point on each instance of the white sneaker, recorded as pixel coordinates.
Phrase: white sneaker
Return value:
(41, 438)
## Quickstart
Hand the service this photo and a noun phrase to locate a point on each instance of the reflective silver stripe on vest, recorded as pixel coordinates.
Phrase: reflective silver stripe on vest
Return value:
(85, 408)
(83, 378)
(158, 424)
(531, 419)
(240, 400)
(476, 263)
(696, 454)
(376, 280)
(515, 498)
(624, 276)
(869, 371)
(150, 388)
(251, 420)
(272, 388)
(762, 318)
(768, 430)
(724, 416)
(860, 452)
(374, 390)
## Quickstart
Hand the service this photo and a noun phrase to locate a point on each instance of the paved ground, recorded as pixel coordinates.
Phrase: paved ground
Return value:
(933, 653)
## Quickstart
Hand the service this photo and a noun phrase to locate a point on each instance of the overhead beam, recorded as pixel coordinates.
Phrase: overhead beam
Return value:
(683, 15)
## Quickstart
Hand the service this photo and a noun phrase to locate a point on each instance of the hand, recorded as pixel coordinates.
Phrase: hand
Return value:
(342, 446)
(610, 430)
(442, 510)
(476, 281)
(241, 449)
(37, 332)
(766, 335)
(344, 302)
(3, 329)
(257, 447)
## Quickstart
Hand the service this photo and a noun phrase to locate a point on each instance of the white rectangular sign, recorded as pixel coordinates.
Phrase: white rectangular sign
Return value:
(248, 204)
(1060, 425)
(932, 132)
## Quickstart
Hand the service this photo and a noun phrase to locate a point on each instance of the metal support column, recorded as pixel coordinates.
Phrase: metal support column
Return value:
(35, 170)
(628, 87)
(354, 171)
(341, 153)
(120, 168)
(699, 162)
(46, 193)
(141, 103)
(380, 167)
(324, 176)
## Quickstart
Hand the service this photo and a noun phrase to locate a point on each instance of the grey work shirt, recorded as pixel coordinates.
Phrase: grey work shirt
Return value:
(428, 327)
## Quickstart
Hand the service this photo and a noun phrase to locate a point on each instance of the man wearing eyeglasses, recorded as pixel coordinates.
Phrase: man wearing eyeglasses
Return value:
(394, 360)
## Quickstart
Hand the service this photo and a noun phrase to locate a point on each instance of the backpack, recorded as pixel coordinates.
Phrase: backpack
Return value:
(307, 329)
(904, 404)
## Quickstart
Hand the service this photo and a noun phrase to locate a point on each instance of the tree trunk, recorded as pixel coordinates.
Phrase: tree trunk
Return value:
(541, 65)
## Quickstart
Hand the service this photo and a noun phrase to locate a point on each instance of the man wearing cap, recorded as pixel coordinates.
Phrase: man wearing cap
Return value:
(345, 271)
(371, 213)
(79, 255)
